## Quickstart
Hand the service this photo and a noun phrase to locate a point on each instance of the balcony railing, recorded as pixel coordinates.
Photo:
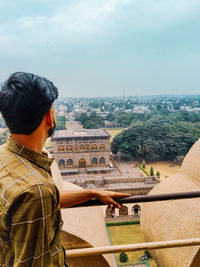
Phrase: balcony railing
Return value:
(144, 198)
(132, 247)
(141, 246)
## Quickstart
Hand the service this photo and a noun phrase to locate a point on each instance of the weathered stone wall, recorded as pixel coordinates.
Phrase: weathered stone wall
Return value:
(131, 180)
(135, 186)
(86, 154)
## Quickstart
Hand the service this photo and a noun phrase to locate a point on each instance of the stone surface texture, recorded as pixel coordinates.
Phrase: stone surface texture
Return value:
(175, 219)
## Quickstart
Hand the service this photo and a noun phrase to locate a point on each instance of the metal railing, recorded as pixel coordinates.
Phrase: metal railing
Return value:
(141, 246)
(72, 253)
(144, 198)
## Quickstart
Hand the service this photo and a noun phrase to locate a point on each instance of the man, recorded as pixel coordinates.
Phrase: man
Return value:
(30, 218)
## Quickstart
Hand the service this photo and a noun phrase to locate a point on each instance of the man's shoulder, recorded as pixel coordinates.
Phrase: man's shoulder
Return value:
(8, 161)
(17, 175)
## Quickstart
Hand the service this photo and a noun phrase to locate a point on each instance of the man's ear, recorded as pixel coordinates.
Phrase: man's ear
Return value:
(50, 117)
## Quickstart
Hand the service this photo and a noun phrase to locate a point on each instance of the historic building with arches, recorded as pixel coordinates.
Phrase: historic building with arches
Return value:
(82, 150)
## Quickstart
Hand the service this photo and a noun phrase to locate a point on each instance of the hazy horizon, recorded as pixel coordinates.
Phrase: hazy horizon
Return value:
(127, 96)
(104, 47)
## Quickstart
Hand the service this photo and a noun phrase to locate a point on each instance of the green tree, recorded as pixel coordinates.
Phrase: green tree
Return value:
(123, 257)
(90, 125)
(151, 171)
(94, 121)
(158, 174)
(125, 119)
(83, 117)
(156, 141)
(110, 117)
(143, 164)
(114, 148)
(146, 252)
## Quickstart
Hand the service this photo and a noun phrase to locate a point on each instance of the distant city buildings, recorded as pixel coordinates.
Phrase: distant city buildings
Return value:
(140, 109)
(189, 109)
(103, 106)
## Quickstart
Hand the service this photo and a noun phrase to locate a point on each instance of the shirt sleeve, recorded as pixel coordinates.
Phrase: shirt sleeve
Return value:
(31, 229)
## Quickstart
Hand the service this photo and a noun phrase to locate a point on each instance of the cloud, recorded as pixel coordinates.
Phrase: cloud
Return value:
(152, 14)
(104, 39)
(85, 17)
(31, 22)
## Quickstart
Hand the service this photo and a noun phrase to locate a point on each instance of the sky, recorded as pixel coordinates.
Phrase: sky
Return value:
(104, 47)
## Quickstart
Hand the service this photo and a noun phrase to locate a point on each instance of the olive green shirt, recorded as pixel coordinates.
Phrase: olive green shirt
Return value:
(30, 217)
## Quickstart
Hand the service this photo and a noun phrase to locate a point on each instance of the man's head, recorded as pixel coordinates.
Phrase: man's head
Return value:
(24, 100)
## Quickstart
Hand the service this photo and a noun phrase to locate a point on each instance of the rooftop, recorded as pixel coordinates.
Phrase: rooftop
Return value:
(77, 133)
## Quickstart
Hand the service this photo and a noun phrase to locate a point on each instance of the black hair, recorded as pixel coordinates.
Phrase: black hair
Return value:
(24, 100)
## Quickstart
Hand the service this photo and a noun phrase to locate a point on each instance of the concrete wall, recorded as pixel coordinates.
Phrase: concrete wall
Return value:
(130, 180)
(176, 219)
(135, 186)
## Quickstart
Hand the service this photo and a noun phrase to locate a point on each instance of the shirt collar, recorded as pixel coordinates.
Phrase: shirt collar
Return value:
(44, 160)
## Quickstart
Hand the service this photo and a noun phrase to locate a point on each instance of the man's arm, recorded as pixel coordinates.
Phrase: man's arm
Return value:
(71, 198)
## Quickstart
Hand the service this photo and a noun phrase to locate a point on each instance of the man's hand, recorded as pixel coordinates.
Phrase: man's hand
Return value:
(107, 197)
(70, 198)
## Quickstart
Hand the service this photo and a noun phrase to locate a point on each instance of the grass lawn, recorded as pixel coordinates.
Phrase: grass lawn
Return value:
(114, 131)
(128, 234)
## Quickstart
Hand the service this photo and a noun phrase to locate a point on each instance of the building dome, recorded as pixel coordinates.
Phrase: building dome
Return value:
(175, 219)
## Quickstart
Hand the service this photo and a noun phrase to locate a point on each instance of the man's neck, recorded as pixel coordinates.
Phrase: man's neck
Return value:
(32, 141)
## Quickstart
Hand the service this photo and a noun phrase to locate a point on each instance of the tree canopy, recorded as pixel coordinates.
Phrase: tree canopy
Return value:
(93, 121)
(156, 140)
(127, 119)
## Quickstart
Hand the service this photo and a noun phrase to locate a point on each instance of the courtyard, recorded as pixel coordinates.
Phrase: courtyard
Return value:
(128, 234)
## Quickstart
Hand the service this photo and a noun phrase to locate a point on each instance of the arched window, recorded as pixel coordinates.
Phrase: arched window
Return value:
(69, 148)
(61, 148)
(82, 147)
(61, 163)
(102, 160)
(94, 161)
(87, 147)
(136, 210)
(93, 147)
(69, 162)
(123, 211)
(76, 147)
(110, 212)
(101, 147)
